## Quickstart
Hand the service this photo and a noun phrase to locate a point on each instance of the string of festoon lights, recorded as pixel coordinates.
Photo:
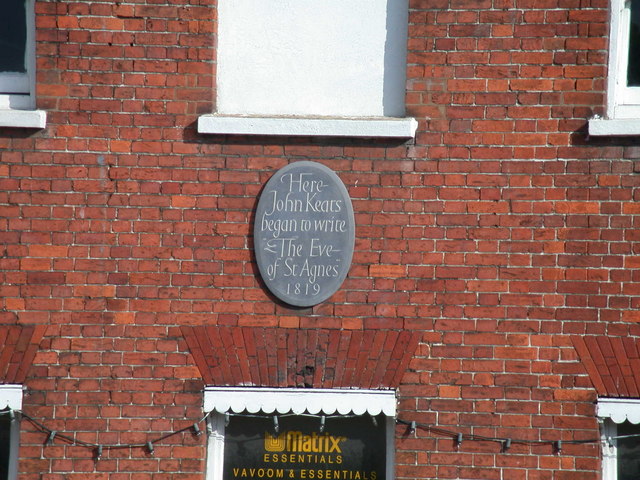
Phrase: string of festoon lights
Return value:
(53, 436)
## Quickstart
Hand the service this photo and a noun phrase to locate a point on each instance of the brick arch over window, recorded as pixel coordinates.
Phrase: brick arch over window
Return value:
(612, 363)
(18, 347)
(317, 358)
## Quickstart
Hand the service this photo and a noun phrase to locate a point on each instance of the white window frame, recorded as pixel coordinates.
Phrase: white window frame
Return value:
(20, 82)
(611, 412)
(275, 46)
(623, 102)
(11, 398)
(17, 90)
(219, 401)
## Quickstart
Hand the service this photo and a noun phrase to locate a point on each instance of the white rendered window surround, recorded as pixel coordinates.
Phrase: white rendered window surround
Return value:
(294, 67)
(219, 401)
(612, 412)
(623, 101)
(17, 89)
(11, 399)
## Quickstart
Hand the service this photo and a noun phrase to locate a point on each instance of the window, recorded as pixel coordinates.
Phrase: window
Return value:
(17, 66)
(626, 89)
(633, 67)
(623, 82)
(10, 401)
(295, 67)
(620, 438)
(312, 434)
(14, 77)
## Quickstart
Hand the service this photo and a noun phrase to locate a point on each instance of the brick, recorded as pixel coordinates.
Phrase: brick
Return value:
(48, 250)
(56, 278)
(95, 291)
(387, 271)
(35, 264)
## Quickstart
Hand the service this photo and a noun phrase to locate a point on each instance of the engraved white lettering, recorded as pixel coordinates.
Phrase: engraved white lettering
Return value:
(303, 228)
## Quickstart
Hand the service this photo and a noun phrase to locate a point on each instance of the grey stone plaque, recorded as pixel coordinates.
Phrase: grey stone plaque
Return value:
(304, 233)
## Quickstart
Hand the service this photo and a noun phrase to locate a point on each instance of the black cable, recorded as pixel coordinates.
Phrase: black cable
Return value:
(74, 441)
(458, 437)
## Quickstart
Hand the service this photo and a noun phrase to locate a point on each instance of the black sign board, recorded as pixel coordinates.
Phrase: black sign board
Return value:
(304, 233)
(348, 448)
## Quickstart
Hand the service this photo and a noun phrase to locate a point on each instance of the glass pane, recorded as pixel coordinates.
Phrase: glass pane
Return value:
(13, 36)
(628, 452)
(5, 444)
(633, 79)
(348, 448)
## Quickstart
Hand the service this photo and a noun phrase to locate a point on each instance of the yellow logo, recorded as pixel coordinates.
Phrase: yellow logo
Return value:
(274, 444)
(293, 441)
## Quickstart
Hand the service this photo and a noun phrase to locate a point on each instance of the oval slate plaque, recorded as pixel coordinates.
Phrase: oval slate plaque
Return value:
(304, 233)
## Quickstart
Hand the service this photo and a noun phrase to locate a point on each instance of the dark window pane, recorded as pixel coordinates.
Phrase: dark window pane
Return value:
(628, 452)
(346, 449)
(5, 445)
(633, 78)
(13, 36)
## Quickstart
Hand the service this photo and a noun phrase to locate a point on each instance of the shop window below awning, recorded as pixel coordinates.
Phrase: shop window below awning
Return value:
(294, 433)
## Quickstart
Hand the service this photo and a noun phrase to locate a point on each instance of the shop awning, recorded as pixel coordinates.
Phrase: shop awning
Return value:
(11, 397)
(299, 401)
(619, 410)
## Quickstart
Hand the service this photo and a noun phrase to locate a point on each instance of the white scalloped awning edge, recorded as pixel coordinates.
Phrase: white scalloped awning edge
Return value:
(299, 401)
(619, 409)
(11, 397)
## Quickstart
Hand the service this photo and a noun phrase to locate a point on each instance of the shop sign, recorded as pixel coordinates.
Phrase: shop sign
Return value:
(348, 448)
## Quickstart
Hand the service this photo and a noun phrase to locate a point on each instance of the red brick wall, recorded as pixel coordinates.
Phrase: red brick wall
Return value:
(499, 232)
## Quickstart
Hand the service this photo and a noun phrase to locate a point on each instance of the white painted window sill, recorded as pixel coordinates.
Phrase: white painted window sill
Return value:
(600, 127)
(377, 127)
(23, 118)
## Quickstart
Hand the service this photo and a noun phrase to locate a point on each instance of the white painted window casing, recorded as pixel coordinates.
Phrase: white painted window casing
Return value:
(11, 398)
(611, 412)
(17, 90)
(238, 400)
(294, 67)
(623, 101)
